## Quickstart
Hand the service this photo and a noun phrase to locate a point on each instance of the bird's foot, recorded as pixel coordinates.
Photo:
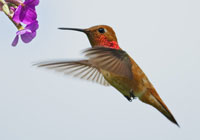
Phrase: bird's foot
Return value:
(131, 94)
(128, 98)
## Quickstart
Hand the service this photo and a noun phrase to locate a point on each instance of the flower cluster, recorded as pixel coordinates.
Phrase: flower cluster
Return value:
(22, 13)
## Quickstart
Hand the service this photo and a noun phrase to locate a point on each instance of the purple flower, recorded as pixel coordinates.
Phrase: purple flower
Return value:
(25, 12)
(26, 34)
(22, 12)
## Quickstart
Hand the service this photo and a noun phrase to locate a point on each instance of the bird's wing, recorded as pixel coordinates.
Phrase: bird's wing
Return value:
(82, 69)
(112, 60)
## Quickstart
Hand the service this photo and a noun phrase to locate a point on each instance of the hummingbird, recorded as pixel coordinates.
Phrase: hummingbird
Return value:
(107, 64)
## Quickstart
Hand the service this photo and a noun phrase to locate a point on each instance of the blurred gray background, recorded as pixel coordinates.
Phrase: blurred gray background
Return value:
(163, 37)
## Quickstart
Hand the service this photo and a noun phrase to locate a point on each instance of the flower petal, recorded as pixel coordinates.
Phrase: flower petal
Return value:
(17, 14)
(27, 15)
(33, 26)
(12, 9)
(31, 2)
(21, 32)
(27, 37)
(15, 41)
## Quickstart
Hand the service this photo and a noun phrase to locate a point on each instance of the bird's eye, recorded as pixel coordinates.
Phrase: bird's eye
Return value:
(101, 30)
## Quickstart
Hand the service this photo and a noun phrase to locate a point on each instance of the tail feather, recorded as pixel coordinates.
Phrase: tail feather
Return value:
(151, 97)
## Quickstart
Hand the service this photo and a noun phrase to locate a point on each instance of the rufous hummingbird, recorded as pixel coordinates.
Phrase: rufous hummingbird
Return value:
(108, 64)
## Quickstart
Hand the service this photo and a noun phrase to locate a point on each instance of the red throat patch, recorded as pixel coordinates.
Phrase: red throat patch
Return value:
(109, 44)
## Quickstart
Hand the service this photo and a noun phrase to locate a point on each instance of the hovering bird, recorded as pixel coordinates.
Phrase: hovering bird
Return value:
(108, 64)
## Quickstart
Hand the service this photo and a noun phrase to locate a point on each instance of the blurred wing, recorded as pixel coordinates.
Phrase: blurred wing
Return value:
(112, 60)
(82, 69)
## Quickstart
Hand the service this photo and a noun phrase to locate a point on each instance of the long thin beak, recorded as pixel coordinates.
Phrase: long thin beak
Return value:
(74, 29)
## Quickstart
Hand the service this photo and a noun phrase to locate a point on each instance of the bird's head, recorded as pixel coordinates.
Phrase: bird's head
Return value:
(100, 35)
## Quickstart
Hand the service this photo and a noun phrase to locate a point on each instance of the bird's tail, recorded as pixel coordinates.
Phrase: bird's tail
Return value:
(151, 97)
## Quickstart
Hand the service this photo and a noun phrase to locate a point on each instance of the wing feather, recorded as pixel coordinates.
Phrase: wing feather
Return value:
(82, 69)
(112, 60)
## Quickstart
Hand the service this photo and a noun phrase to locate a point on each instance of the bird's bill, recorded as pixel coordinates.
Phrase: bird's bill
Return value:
(74, 29)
